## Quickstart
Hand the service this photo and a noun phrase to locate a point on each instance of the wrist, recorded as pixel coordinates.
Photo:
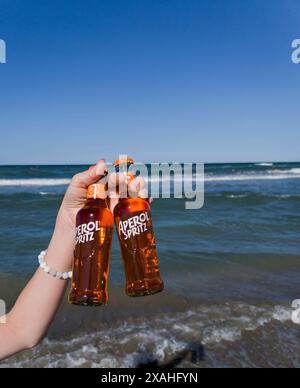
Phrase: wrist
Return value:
(60, 252)
(64, 221)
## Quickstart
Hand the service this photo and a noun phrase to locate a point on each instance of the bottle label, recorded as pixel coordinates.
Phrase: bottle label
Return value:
(86, 232)
(134, 226)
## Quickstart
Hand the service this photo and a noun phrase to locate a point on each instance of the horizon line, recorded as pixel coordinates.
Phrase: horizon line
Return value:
(90, 164)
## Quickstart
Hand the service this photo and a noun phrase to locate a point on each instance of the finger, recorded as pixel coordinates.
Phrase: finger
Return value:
(101, 168)
(117, 183)
(143, 194)
(90, 176)
(116, 179)
(137, 185)
(113, 200)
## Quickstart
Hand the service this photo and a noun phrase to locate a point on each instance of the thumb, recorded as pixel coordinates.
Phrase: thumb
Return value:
(90, 176)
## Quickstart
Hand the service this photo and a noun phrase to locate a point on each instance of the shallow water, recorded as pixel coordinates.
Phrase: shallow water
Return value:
(231, 269)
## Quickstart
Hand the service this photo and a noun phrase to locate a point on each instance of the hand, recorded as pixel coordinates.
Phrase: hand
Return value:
(118, 184)
(75, 196)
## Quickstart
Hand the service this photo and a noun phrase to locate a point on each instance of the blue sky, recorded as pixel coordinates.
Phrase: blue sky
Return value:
(161, 80)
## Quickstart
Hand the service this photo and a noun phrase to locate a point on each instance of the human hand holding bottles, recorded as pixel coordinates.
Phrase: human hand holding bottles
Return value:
(75, 196)
(94, 230)
(36, 306)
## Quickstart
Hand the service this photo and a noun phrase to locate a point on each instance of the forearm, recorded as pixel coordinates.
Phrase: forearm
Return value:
(35, 308)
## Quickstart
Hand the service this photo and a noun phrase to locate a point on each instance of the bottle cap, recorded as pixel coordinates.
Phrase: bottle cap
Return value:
(126, 160)
(97, 191)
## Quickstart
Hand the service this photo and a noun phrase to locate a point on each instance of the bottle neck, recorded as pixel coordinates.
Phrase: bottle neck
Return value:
(132, 200)
(123, 167)
(96, 202)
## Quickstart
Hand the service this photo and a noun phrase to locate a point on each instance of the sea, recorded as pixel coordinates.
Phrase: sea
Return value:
(231, 271)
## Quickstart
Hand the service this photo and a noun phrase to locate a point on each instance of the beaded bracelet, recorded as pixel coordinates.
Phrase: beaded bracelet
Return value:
(50, 271)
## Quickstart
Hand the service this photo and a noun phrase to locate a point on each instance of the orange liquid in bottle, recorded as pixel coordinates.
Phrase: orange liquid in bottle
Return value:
(92, 253)
(137, 242)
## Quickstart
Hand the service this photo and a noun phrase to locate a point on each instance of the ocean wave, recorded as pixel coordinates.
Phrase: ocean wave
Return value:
(272, 174)
(268, 175)
(264, 164)
(287, 196)
(45, 193)
(234, 196)
(34, 182)
(291, 171)
(157, 340)
(256, 195)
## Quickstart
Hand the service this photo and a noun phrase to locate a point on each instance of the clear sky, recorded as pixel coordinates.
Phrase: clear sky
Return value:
(161, 80)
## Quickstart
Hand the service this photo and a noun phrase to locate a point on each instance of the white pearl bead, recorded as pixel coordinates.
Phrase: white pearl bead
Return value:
(70, 274)
(51, 271)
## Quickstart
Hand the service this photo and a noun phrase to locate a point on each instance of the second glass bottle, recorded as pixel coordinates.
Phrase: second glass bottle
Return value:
(135, 231)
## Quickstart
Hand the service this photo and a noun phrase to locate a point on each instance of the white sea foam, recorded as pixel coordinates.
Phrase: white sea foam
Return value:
(45, 193)
(281, 314)
(159, 339)
(268, 175)
(272, 174)
(277, 196)
(295, 171)
(217, 335)
(233, 196)
(34, 182)
(264, 164)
